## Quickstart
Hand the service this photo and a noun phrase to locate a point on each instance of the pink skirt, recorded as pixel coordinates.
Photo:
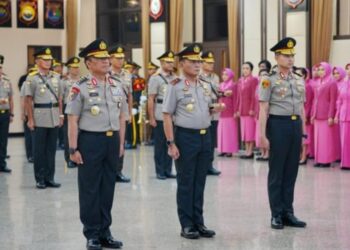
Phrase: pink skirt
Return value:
(310, 140)
(325, 151)
(248, 128)
(337, 147)
(228, 135)
(257, 133)
(345, 145)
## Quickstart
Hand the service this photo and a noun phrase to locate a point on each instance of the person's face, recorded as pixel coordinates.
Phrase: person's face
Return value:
(58, 69)
(224, 76)
(246, 71)
(285, 61)
(151, 71)
(336, 74)
(191, 67)
(209, 67)
(321, 72)
(167, 66)
(117, 62)
(43, 64)
(74, 71)
(98, 65)
(262, 66)
(348, 70)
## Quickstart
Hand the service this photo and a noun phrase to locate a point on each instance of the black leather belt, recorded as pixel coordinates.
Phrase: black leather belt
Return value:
(192, 131)
(285, 117)
(159, 101)
(106, 133)
(45, 105)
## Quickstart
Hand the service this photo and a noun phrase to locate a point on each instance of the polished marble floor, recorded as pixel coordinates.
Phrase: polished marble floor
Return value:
(144, 212)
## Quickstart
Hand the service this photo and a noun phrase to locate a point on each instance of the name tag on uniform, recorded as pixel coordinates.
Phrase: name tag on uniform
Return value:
(187, 95)
(93, 94)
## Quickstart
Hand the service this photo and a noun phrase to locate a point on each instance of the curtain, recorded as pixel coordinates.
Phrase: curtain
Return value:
(145, 35)
(233, 36)
(176, 24)
(72, 10)
(321, 30)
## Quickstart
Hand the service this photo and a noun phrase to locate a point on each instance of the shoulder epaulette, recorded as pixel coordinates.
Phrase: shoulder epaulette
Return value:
(82, 80)
(33, 73)
(175, 81)
(201, 78)
(272, 73)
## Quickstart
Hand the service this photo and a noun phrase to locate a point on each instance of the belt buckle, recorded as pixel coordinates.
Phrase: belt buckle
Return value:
(109, 133)
(294, 117)
(202, 131)
(2, 111)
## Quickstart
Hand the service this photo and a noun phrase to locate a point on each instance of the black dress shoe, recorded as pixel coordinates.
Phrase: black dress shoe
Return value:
(111, 243)
(317, 165)
(292, 221)
(325, 165)
(161, 177)
(93, 244)
(228, 155)
(221, 154)
(5, 170)
(171, 176)
(190, 233)
(276, 222)
(260, 158)
(52, 184)
(246, 157)
(213, 171)
(303, 162)
(31, 160)
(71, 164)
(345, 168)
(40, 185)
(122, 178)
(205, 232)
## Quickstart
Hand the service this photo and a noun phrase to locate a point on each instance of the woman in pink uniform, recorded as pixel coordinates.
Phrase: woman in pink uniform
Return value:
(264, 153)
(305, 73)
(246, 108)
(228, 124)
(343, 118)
(323, 113)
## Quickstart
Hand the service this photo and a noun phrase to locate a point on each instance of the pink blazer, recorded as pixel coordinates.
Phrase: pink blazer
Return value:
(246, 94)
(309, 99)
(325, 99)
(343, 110)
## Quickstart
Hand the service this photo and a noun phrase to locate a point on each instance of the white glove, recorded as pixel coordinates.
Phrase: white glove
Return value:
(134, 111)
(143, 99)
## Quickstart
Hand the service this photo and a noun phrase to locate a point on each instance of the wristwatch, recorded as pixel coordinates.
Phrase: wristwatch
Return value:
(72, 151)
(169, 143)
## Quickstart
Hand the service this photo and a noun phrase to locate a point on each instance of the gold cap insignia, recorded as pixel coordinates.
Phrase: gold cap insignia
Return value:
(119, 50)
(290, 44)
(75, 60)
(171, 55)
(103, 46)
(210, 55)
(196, 49)
(47, 51)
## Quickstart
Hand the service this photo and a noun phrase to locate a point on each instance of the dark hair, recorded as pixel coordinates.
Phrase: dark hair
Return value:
(304, 72)
(346, 66)
(264, 70)
(267, 64)
(251, 66)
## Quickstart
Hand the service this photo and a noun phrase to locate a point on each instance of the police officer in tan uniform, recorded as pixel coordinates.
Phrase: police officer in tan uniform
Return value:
(6, 115)
(188, 101)
(73, 76)
(117, 60)
(207, 74)
(282, 97)
(157, 86)
(97, 108)
(44, 108)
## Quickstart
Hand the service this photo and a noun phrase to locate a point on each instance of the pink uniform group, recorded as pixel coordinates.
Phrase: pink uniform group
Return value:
(327, 112)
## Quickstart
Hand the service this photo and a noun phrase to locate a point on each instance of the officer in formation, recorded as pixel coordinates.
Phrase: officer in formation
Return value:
(117, 59)
(97, 108)
(6, 115)
(28, 134)
(188, 100)
(57, 66)
(157, 87)
(43, 91)
(207, 74)
(282, 97)
(73, 76)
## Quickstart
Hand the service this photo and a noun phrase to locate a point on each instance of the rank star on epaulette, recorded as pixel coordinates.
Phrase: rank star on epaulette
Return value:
(175, 81)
